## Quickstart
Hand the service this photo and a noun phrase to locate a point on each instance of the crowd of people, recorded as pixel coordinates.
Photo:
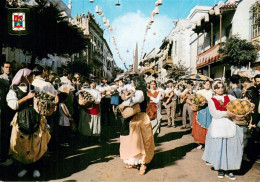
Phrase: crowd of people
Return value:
(27, 135)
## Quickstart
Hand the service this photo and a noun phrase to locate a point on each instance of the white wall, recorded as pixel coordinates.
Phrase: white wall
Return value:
(241, 19)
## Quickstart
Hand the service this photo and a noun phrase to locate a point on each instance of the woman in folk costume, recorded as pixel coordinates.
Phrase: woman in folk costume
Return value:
(154, 110)
(224, 140)
(30, 134)
(90, 118)
(202, 118)
(136, 140)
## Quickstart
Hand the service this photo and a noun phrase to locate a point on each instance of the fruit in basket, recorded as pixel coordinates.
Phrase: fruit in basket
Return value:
(247, 108)
(197, 99)
(244, 102)
(235, 102)
(239, 107)
(241, 111)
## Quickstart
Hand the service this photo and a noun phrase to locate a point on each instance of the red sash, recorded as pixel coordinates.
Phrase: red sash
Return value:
(93, 110)
(219, 106)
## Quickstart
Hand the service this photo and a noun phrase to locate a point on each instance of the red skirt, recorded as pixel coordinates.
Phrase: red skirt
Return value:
(198, 133)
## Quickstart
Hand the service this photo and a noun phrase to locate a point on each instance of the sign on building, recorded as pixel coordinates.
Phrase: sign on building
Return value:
(18, 21)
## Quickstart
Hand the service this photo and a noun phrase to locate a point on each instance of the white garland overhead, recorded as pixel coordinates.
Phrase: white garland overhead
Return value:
(111, 29)
(149, 24)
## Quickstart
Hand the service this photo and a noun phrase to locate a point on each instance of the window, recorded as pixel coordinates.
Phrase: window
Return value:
(255, 20)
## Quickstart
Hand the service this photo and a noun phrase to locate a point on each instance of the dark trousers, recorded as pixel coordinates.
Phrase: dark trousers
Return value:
(106, 111)
(64, 134)
(6, 129)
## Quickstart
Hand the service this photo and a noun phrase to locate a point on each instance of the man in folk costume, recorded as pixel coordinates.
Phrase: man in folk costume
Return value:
(136, 138)
(170, 103)
(186, 107)
(90, 116)
(41, 85)
(106, 108)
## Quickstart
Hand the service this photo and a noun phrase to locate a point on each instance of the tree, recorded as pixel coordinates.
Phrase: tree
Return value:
(238, 52)
(50, 33)
(80, 66)
(178, 70)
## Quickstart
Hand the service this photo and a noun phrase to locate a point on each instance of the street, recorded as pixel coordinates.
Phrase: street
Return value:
(176, 159)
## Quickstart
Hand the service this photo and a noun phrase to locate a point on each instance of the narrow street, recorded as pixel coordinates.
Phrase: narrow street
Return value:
(176, 159)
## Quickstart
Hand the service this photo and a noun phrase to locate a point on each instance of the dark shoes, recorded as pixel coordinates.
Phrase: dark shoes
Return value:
(231, 176)
(221, 174)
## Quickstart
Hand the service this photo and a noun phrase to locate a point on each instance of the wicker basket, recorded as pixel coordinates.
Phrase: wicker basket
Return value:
(130, 111)
(239, 119)
(40, 107)
(85, 102)
(195, 107)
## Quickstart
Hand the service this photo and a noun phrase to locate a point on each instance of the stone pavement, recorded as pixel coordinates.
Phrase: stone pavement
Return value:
(176, 159)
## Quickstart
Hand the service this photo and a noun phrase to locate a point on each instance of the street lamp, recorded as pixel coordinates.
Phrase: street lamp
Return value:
(117, 4)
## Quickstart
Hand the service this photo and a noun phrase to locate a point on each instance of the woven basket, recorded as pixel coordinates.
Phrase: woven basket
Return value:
(130, 111)
(85, 102)
(45, 112)
(239, 119)
(195, 107)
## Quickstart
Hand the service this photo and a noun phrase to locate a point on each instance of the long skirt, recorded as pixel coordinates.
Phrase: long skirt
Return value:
(29, 148)
(89, 125)
(201, 121)
(156, 123)
(224, 153)
(198, 133)
(138, 147)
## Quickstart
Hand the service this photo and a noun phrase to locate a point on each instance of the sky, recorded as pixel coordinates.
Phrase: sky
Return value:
(129, 21)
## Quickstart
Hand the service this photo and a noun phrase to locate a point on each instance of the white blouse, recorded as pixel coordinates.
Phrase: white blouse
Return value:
(137, 98)
(212, 108)
(42, 86)
(158, 98)
(11, 98)
(221, 125)
(205, 93)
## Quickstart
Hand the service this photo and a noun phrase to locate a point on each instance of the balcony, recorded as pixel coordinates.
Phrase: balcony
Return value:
(208, 57)
(97, 59)
(167, 63)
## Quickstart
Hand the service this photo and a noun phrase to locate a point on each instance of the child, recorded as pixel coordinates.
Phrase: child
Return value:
(64, 120)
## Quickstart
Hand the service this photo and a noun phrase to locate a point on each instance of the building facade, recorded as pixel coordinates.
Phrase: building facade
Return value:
(97, 53)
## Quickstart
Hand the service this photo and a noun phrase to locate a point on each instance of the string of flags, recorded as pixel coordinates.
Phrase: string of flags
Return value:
(151, 21)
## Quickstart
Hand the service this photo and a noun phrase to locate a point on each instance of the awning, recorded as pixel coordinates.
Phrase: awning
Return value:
(208, 57)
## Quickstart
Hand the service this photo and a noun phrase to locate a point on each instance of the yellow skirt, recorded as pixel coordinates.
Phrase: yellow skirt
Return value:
(29, 148)
(138, 146)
